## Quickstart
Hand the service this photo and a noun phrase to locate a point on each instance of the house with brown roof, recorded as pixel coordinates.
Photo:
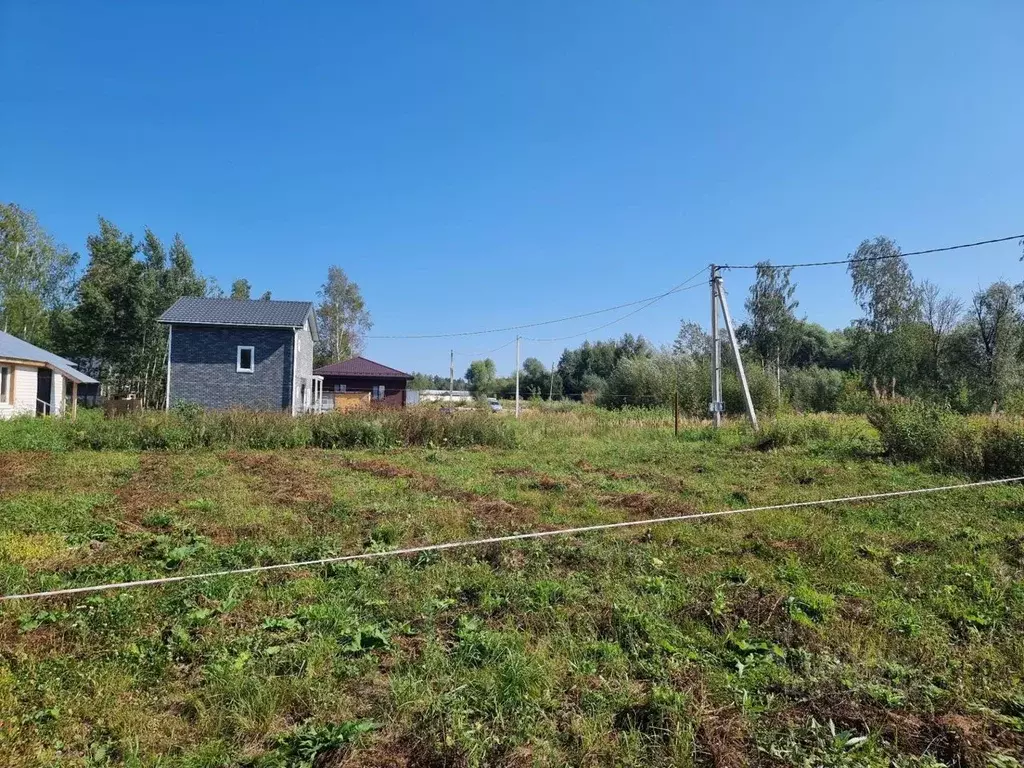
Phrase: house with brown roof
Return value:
(360, 382)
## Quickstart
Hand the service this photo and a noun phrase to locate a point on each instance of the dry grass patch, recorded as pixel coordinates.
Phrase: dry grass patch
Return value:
(286, 480)
(18, 469)
(150, 487)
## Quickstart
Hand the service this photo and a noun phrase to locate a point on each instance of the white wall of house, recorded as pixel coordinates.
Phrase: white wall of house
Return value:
(57, 395)
(25, 382)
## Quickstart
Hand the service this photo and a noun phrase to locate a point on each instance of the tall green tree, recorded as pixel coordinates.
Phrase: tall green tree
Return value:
(587, 368)
(940, 315)
(113, 331)
(884, 289)
(814, 345)
(534, 379)
(1000, 333)
(482, 376)
(692, 341)
(109, 322)
(342, 318)
(241, 289)
(35, 275)
(151, 363)
(182, 278)
(771, 328)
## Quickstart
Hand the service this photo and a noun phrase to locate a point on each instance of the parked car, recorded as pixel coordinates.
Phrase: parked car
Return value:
(495, 405)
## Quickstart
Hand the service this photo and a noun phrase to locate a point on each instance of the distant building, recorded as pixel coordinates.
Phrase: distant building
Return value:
(357, 381)
(234, 353)
(34, 381)
(456, 396)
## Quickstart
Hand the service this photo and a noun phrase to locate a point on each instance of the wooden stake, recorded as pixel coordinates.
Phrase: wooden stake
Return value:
(675, 408)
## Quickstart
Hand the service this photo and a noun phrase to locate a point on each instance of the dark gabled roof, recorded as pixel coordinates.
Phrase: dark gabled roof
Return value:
(362, 368)
(195, 310)
(13, 348)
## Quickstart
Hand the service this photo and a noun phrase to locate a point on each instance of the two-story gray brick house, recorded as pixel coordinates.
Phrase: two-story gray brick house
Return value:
(231, 353)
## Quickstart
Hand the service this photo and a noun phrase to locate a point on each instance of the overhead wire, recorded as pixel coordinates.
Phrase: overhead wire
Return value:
(521, 326)
(459, 353)
(833, 262)
(683, 286)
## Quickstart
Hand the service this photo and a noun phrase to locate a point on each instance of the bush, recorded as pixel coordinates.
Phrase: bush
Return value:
(851, 434)
(975, 445)
(191, 429)
(654, 381)
(1002, 449)
(814, 389)
(912, 431)
(763, 391)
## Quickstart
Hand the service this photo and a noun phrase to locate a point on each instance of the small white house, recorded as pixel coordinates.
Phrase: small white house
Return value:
(34, 381)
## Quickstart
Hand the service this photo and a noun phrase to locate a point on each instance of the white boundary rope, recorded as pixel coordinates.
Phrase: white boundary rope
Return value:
(497, 540)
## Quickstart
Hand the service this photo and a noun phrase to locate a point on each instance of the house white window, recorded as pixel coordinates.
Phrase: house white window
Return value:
(340, 388)
(246, 362)
(378, 391)
(5, 384)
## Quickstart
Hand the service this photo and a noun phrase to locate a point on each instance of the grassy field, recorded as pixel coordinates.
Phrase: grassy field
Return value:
(881, 634)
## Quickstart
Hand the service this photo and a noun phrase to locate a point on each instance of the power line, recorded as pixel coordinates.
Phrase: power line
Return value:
(537, 324)
(508, 343)
(499, 540)
(876, 258)
(683, 286)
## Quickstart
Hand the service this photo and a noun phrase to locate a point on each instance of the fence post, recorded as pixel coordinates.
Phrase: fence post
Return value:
(675, 409)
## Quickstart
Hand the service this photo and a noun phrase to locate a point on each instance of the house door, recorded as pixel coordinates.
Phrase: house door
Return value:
(44, 391)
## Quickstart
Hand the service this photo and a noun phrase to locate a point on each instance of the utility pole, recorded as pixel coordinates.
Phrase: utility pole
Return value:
(551, 388)
(451, 381)
(716, 353)
(517, 377)
(736, 353)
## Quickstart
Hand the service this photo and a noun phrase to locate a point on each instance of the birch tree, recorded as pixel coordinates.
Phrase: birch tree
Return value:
(35, 275)
(884, 289)
(342, 318)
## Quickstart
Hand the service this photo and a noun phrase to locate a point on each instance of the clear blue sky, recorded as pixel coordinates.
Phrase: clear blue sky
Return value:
(476, 164)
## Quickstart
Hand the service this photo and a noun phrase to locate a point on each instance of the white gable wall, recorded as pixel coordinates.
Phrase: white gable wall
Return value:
(24, 392)
(57, 395)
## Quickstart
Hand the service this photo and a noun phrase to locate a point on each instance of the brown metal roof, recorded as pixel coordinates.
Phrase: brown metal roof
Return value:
(361, 367)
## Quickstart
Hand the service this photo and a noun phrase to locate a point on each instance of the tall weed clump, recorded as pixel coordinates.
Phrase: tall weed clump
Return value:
(914, 431)
(191, 428)
(975, 445)
(835, 432)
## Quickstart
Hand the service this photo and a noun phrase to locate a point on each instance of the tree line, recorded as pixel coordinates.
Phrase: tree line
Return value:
(911, 341)
(104, 316)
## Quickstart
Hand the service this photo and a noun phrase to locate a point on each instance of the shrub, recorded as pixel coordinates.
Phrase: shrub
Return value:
(814, 389)
(654, 381)
(912, 431)
(854, 399)
(837, 431)
(976, 445)
(1002, 449)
